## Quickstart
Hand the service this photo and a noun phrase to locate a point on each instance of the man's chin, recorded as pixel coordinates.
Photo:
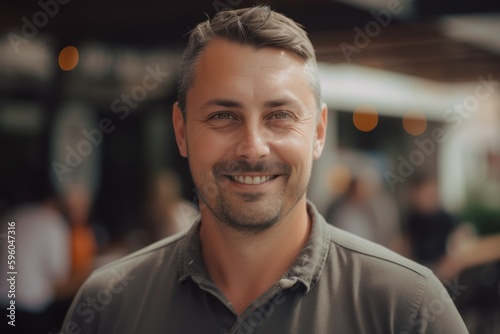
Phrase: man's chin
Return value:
(251, 197)
(250, 217)
(249, 225)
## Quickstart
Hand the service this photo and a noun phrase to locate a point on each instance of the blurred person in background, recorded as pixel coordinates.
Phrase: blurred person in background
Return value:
(428, 225)
(42, 262)
(363, 208)
(83, 240)
(456, 253)
(169, 212)
(83, 247)
(466, 250)
(474, 260)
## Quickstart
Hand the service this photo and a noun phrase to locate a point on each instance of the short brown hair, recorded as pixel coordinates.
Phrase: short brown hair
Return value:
(258, 27)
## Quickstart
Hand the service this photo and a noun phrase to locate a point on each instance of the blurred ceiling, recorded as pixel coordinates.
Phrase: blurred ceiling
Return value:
(418, 42)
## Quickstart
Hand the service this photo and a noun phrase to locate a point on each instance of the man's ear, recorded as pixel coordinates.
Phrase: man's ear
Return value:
(179, 129)
(319, 141)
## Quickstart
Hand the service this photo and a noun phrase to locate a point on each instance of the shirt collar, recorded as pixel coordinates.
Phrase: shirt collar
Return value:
(190, 262)
(306, 269)
(311, 260)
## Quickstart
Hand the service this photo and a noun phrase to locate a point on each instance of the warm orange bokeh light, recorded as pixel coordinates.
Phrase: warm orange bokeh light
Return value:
(414, 122)
(68, 58)
(365, 118)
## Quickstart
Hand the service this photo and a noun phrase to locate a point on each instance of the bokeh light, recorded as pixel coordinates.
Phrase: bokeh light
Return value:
(365, 118)
(68, 58)
(414, 122)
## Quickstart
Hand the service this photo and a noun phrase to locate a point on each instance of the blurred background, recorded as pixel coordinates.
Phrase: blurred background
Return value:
(90, 171)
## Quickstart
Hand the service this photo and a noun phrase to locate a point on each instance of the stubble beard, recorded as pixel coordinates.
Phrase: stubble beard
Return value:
(248, 213)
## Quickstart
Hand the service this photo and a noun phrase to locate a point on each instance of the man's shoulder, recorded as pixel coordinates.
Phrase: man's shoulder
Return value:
(376, 278)
(388, 292)
(372, 256)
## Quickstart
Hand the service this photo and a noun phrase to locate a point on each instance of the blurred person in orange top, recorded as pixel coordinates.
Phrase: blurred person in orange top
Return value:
(83, 242)
(76, 203)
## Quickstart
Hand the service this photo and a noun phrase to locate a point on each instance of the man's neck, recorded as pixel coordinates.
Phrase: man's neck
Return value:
(244, 266)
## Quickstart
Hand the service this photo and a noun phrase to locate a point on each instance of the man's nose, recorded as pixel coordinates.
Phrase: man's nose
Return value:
(252, 143)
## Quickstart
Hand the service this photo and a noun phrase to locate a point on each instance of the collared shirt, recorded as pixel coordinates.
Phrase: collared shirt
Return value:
(338, 284)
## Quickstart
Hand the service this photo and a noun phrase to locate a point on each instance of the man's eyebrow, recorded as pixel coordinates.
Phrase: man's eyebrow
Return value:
(227, 103)
(282, 102)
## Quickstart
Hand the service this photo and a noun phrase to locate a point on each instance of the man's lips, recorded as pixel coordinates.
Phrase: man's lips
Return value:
(251, 179)
(245, 173)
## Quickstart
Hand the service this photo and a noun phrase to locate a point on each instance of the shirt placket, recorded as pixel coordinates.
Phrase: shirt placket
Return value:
(261, 310)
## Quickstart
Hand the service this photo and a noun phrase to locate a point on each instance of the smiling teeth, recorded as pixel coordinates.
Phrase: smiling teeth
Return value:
(250, 180)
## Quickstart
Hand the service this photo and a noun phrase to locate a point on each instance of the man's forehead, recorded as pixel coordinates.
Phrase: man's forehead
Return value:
(228, 63)
(228, 70)
(220, 51)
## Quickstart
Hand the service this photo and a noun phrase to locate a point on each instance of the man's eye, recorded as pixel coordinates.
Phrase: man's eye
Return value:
(222, 115)
(280, 115)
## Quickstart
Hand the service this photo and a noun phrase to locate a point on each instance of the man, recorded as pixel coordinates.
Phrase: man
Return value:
(261, 259)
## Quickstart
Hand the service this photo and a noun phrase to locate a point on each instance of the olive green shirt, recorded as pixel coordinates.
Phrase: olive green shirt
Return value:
(340, 283)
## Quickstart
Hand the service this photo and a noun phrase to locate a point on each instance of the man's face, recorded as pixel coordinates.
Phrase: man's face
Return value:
(250, 134)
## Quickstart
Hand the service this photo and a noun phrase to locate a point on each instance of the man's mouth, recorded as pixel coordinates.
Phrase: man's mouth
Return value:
(255, 180)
